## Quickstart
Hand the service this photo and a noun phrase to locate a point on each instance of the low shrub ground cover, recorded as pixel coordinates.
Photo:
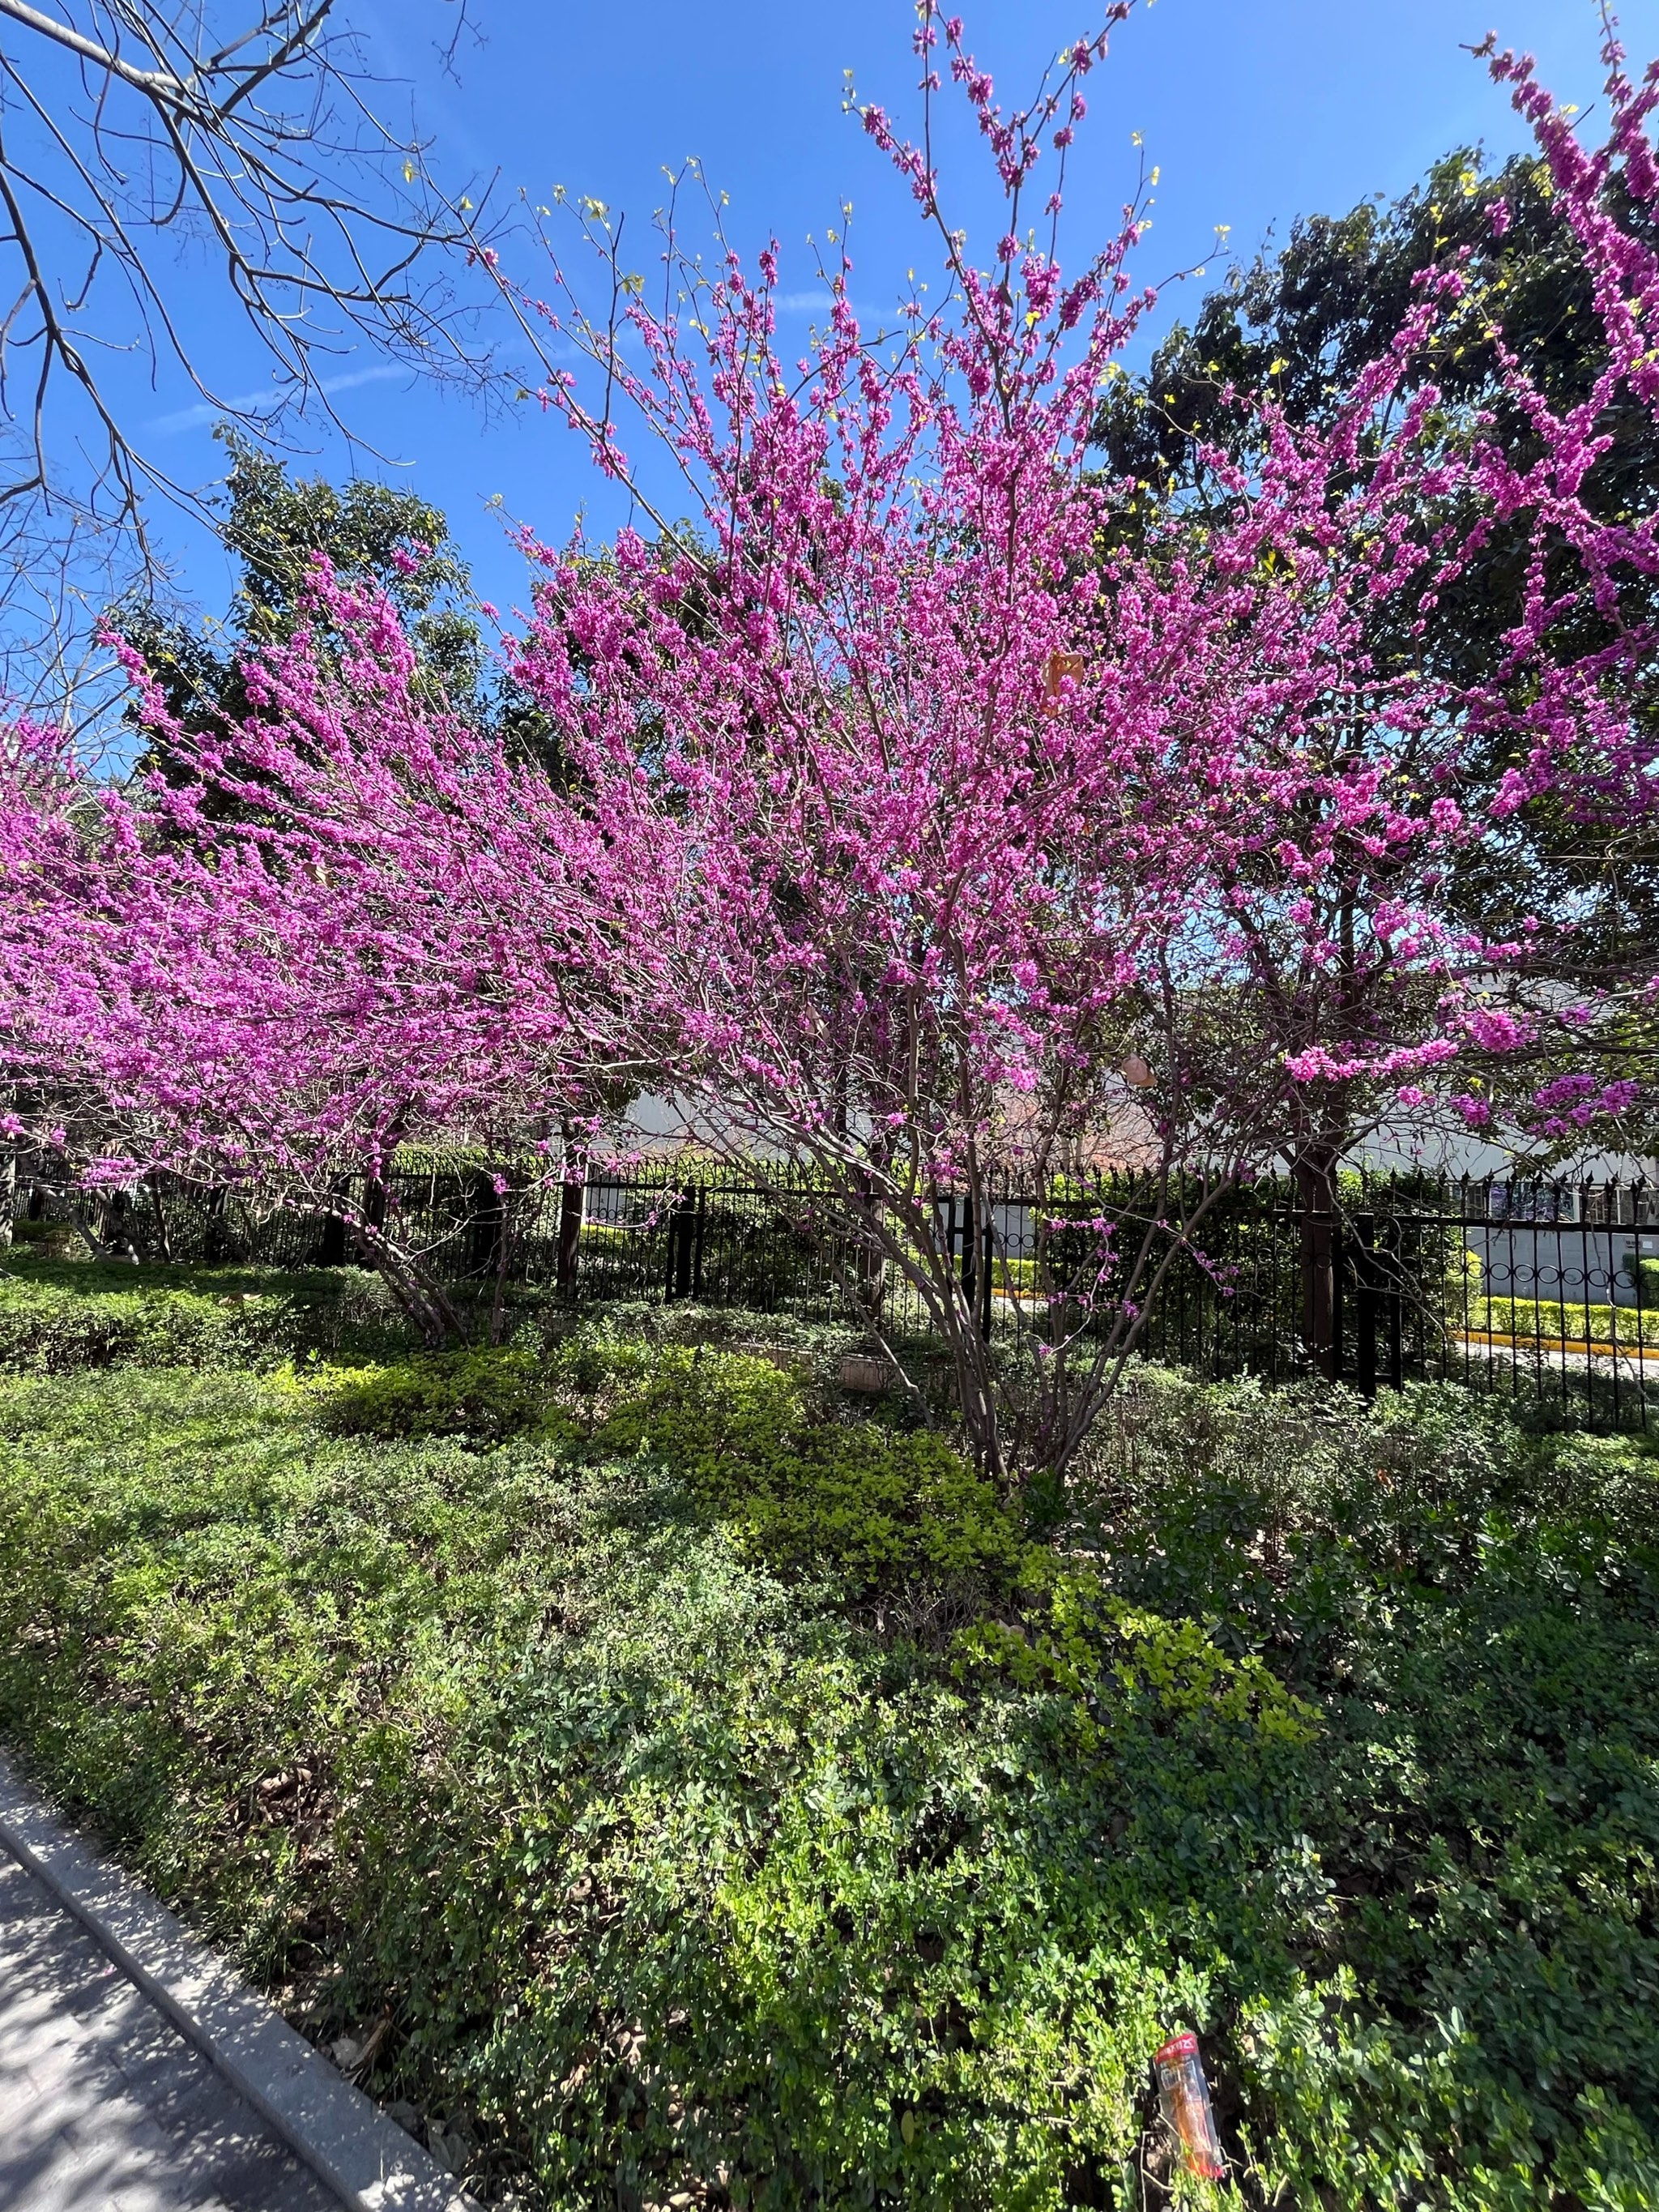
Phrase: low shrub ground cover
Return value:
(56, 1315)
(724, 1800)
(485, 1396)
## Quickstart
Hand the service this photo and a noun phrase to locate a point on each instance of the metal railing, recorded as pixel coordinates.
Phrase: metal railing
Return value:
(1543, 1290)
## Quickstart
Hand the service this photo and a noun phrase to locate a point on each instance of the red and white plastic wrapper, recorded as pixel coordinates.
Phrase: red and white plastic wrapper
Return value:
(1183, 2094)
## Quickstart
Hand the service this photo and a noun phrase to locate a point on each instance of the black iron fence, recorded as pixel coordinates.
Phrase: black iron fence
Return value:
(1543, 1290)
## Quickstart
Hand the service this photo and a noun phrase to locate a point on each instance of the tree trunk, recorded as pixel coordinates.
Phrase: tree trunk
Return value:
(573, 1201)
(1315, 1173)
(163, 1236)
(869, 1259)
(419, 1295)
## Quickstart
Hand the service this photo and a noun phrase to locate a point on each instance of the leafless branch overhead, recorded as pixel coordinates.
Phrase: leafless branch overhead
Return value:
(133, 130)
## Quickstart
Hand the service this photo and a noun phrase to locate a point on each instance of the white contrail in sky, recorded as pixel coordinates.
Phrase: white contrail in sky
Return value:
(253, 402)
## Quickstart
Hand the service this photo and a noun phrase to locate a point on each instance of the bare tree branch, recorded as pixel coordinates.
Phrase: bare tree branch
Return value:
(60, 571)
(128, 127)
(155, 83)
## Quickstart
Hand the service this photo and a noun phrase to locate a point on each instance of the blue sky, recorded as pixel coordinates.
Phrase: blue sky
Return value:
(1254, 110)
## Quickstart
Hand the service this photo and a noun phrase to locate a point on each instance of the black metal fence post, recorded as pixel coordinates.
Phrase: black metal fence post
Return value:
(332, 1246)
(1322, 1290)
(684, 1226)
(486, 1227)
(573, 1198)
(1393, 1302)
(1362, 1241)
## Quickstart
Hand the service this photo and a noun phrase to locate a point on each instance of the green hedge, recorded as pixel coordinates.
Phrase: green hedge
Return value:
(51, 1329)
(1557, 1320)
(56, 1317)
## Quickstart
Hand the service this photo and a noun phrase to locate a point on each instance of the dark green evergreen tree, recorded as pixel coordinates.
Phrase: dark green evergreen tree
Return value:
(275, 525)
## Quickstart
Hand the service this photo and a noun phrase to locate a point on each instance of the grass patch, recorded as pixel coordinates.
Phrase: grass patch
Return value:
(725, 1801)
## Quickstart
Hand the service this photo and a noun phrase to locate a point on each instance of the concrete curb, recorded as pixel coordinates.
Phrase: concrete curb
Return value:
(343, 2136)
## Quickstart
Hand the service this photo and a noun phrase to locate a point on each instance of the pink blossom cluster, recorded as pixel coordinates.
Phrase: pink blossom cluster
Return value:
(346, 928)
(917, 877)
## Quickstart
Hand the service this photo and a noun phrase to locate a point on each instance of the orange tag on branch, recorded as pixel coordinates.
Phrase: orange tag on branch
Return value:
(1060, 665)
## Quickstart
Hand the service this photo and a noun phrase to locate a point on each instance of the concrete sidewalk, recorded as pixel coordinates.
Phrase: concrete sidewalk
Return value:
(139, 2073)
(104, 2106)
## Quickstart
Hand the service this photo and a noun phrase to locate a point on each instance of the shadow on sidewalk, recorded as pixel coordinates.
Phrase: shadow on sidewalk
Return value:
(104, 2105)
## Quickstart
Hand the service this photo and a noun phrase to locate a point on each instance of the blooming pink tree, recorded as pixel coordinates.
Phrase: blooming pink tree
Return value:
(343, 931)
(935, 812)
(919, 812)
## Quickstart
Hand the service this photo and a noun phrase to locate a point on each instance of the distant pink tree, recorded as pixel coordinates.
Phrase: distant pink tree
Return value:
(343, 931)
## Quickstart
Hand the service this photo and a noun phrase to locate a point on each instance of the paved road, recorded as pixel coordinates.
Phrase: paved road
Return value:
(104, 2106)
(1635, 1365)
